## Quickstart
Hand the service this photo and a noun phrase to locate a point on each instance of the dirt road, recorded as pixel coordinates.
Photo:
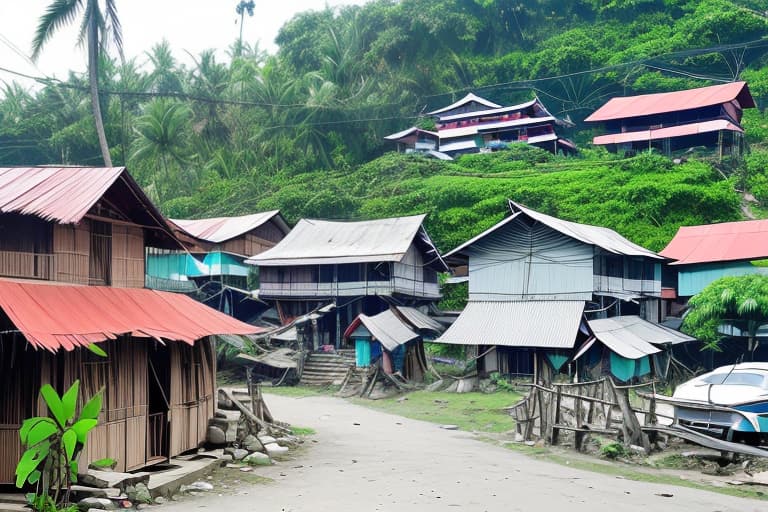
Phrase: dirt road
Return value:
(365, 460)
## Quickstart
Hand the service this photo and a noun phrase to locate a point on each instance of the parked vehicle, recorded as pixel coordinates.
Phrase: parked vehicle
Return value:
(730, 402)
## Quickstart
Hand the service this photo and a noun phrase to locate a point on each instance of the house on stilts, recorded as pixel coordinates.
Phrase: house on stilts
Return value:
(536, 285)
(474, 124)
(675, 122)
(72, 273)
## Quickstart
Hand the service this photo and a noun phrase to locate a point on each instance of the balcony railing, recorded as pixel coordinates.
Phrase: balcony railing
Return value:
(620, 284)
(28, 265)
(350, 289)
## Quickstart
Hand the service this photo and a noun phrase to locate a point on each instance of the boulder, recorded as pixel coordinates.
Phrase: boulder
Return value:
(239, 453)
(274, 449)
(252, 444)
(138, 493)
(215, 435)
(258, 459)
(287, 442)
(97, 503)
(267, 440)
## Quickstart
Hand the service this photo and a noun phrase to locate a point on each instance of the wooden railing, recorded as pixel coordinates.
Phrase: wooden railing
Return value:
(156, 435)
(27, 265)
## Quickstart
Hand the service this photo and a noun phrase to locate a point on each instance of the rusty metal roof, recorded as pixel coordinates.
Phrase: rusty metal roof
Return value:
(221, 229)
(55, 316)
(545, 324)
(727, 241)
(664, 102)
(667, 132)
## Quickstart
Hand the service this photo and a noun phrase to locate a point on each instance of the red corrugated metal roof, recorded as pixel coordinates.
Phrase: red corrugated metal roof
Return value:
(221, 229)
(53, 316)
(62, 194)
(728, 241)
(660, 103)
(667, 133)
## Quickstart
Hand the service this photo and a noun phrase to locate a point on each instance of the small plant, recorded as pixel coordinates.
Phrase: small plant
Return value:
(501, 383)
(613, 450)
(53, 444)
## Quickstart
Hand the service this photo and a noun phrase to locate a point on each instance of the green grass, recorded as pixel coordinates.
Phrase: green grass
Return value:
(302, 431)
(483, 412)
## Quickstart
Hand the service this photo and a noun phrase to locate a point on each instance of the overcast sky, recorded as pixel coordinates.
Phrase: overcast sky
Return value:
(191, 25)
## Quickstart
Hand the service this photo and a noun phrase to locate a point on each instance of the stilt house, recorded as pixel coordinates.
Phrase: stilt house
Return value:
(329, 272)
(72, 269)
(535, 282)
(475, 124)
(672, 122)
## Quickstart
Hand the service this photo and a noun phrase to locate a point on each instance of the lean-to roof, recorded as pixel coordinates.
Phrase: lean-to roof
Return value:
(221, 229)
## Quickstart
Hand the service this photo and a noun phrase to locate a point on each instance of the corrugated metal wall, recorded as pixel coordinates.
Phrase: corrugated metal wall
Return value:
(691, 280)
(532, 262)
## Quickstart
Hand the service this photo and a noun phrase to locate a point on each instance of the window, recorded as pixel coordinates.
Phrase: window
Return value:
(350, 273)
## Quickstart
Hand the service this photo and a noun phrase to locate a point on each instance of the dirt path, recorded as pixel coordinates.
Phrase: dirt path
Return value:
(365, 460)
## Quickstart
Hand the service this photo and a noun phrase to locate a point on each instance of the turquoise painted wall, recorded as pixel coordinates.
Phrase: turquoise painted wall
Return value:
(693, 278)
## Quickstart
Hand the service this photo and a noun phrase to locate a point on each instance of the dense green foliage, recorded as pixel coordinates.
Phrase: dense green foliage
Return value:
(302, 130)
(738, 301)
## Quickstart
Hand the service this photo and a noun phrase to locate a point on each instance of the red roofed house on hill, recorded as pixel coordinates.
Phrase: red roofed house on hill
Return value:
(676, 121)
(475, 124)
(72, 246)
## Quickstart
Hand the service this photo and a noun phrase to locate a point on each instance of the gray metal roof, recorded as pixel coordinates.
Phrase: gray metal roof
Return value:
(409, 131)
(322, 242)
(632, 337)
(388, 329)
(545, 324)
(490, 112)
(605, 238)
(419, 320)
(469, 98)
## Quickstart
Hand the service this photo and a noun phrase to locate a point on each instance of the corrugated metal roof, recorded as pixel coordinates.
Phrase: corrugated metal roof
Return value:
(490, 112)
(458, 146)
(55, 316)
(410, 131)
(541, 138)
(668, 132)
(385, 327)
(323, 242)
(419, 320)
(221, 229)
(604, 238)
(469, 98)
(727, 241)
(61, 194)
(544, 324)
(466, 131)
(661, 103)
(632, 337)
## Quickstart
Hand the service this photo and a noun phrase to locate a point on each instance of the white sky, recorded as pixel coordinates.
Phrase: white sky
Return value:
(191, 25)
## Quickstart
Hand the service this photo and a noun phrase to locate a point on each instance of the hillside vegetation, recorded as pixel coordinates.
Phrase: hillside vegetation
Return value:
(302, 130)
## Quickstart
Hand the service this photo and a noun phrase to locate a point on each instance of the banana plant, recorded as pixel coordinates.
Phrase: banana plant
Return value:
(53, 444)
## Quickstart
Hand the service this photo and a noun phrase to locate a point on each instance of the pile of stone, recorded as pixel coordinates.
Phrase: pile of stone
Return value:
(110, 490)
(249, 437)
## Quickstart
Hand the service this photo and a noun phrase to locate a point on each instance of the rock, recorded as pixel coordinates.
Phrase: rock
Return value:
(530, 443)
(287, 442)
(138, 493)
(449, 427)
(97, 503)
(224, 402)
(239, 453)
(103, 479)
(661, 445)
(637, 449)
(252, 444)
(540, 443)
(246, 469)
(519, 437)
(274, 449)
(196, 486)
(160, 500)
(226, 457)
(265, 440)
(215, 435)
(81, 491)
(258, 459)
(435, 386)
(142, 506)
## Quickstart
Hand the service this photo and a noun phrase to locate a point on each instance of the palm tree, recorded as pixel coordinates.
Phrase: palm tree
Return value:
(96, 27)
(245, 6)
(741, 302)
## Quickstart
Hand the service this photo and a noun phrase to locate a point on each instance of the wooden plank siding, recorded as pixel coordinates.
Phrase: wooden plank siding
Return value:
(71, 247)
(127, 256)
(123, 429)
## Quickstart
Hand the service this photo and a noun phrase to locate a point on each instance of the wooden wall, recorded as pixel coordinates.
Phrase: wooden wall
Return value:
(127, 256)
(122, 430)
(71, 247)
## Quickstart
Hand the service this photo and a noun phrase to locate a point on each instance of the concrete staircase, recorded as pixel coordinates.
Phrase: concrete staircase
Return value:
(326, 369)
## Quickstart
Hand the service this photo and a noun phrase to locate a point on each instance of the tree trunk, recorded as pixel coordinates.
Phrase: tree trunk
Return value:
(93, 78)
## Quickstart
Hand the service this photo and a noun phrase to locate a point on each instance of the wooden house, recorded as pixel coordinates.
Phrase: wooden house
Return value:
(394, 339)
(333, 271)
(72, 274)
(210, 266)
(475, 124)
(671, 122)
(535, 282)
